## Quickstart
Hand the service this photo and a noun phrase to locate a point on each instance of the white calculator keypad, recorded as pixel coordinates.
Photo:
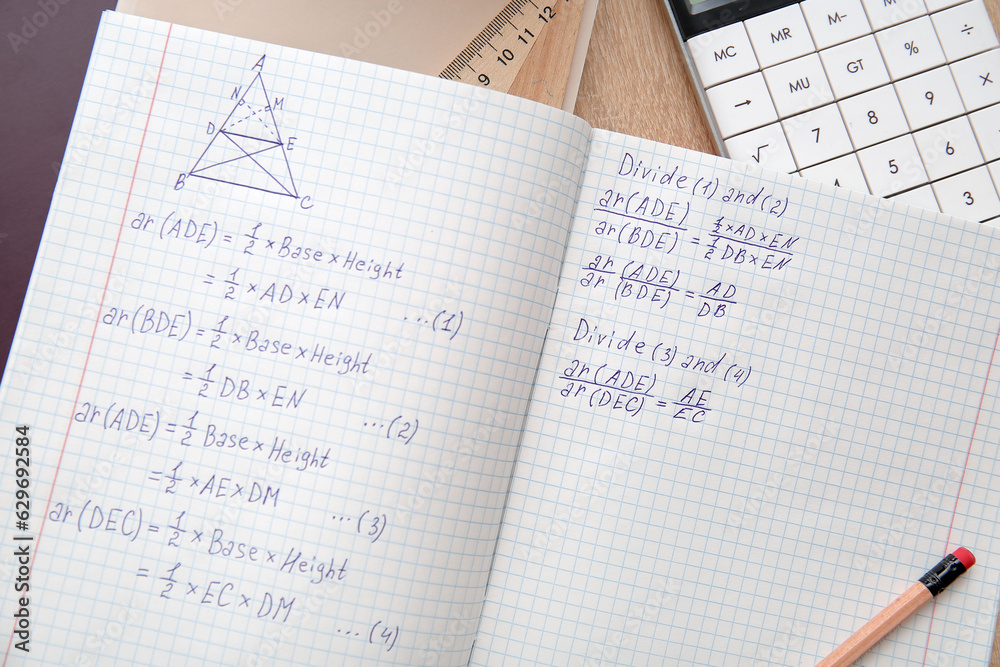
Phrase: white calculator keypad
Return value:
(844, 172)
(893, 166)
(910, 48)
(900, 98)
(766, 147)
(922, 197)
(883, 13)
(968, 195)
(747, 103)
(779, 36)
(722, 54)
(964, 31)
(929, 98)
(873, 117)
(817, 136)
(938, 5)
(798, 85)
(978, 79)
(986, 124)
(855, 67)
(949, 148)
(847, 22)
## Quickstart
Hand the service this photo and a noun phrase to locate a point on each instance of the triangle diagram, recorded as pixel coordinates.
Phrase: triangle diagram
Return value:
(247, 149)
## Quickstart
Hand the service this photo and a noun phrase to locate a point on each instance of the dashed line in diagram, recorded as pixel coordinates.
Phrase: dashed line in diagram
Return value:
(247, 149)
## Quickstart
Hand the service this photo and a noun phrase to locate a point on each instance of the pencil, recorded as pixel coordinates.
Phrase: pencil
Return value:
(936, 580)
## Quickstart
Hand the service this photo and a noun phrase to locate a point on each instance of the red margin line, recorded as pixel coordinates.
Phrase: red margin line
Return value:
(97, 319)
(961, 481)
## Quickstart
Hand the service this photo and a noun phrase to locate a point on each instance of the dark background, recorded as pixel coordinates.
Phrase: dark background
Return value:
(44, 49)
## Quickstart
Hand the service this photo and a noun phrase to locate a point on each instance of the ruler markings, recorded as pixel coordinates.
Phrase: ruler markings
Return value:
(510, 48)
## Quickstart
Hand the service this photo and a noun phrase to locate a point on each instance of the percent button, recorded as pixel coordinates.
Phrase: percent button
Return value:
(910, 48)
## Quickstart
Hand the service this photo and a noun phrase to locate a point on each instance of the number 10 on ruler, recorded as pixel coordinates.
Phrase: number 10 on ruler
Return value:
(496, 55)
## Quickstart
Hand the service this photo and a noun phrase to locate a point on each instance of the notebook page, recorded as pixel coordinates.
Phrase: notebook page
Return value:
(276, 355)
(764, 410)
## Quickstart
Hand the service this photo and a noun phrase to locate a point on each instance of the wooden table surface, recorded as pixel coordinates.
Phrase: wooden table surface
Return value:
(636, 81)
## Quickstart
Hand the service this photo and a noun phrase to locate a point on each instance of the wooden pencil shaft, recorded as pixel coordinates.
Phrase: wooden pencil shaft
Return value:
(915, 597)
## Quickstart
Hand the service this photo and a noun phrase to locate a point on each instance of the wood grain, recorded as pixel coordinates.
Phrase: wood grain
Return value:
(545, 72)
(636, 81)
(884, 622)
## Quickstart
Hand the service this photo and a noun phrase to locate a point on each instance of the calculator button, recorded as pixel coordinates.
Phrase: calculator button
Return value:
(854, 67)
(948, 148)
(986, 124)
(884, 13)
(970, 195)
(978, 79)
(873, 116)
(798, 85)
(910, 48)
(779, 35)
(817, 136)
(965, 30)
(994, 168)
(892, 166)
(844, 172)
(741, 105)
(922, 197)
(929, 98)
(835, 21)
(765, 147)
(938, 5)
(722, 54)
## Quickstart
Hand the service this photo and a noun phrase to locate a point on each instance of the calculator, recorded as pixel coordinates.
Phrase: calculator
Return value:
(898, 98)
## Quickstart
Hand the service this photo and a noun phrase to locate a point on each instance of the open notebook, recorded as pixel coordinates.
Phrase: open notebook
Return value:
(327, 363)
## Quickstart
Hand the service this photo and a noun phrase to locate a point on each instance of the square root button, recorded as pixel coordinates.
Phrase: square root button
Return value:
(766, 147)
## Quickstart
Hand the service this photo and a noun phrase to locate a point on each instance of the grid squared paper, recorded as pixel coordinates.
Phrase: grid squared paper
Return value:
(761, 522)
(277, 352)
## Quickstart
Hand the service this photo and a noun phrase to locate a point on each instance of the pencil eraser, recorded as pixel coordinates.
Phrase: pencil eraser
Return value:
(964, 555)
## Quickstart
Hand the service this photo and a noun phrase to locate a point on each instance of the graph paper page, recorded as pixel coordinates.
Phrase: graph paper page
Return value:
(277, 353)
(765, 408)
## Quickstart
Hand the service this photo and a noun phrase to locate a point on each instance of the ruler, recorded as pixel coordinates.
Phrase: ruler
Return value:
(495, 57)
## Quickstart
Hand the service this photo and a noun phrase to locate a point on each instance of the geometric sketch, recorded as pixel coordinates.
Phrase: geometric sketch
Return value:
(247, 150)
